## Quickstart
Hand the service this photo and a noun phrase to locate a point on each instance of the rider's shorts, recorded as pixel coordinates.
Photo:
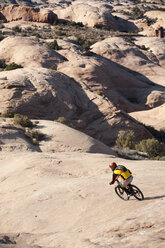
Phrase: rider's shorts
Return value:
(126, 182)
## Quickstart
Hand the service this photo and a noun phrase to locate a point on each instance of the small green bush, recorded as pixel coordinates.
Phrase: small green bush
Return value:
(2, 26)
(38, 35)
(56, 22)
(152, 147)
(63, 120)
(29, 29)
(143, 47)
(8, 114)
(22, 120)
(84, 43)
(125, 139)
(34, 135)
(99, 92)
(12, 66)
(77, 24)
(150, 21)
(17, 29)
(54, 45)
(137, 13)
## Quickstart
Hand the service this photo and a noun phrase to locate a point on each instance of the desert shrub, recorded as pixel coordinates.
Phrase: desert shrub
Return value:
(22, 120)
(152, 147)
(12, 66)
(54, 45)
(29, 29)
(84, 43)
(2, 26)
(143, 47)
(160, 8)
(125, 12)
(137, 1)
(150, 21)
(53, 67)
(137, 13)
(63, 120)
(60, 33)
(8, 114)
(2, 64)
(99, 92)
(125, 139)
(17, 29)
(38, 35)
(34, 135)
(77, 24)
(56, 22)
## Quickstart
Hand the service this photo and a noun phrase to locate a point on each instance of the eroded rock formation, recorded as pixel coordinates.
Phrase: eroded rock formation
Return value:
(15, 12)
(89, 15)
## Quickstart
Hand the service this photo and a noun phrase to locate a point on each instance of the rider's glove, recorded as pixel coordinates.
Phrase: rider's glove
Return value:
(110, 183)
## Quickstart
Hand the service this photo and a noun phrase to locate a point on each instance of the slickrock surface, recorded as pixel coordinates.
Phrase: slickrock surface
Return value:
(106, 76)
(35, 92)
(88, 15)
(154, 117)
(62, 198)
(29, 53)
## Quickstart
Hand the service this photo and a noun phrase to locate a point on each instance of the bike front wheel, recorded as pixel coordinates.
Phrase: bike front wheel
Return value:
(137, 193)
(121, 193)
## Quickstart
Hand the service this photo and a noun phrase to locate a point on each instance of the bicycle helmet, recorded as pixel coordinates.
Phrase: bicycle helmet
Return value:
(113, 165)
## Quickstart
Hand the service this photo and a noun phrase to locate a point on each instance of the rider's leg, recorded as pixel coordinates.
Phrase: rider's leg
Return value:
(125, 183)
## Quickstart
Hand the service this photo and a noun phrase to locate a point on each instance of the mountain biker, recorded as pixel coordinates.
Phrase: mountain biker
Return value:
(122, 172)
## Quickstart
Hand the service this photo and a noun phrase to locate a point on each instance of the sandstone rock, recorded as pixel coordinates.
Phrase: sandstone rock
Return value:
(154, 117)
(40, 93)
(13, 139)
(159, 16)
(155, 45)
(126, 89)
(150, 30)
(47, 94)
(64, 138)
(29, 53)
(58, 137)
(89, 15)
(123, 51)
(58, 195)
(15, 12)
(35, 186)
(145, 62)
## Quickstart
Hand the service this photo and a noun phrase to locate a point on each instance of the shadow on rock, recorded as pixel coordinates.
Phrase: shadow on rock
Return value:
(154, 197)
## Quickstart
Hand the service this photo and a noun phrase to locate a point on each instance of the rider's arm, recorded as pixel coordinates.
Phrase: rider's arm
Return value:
(114, 178)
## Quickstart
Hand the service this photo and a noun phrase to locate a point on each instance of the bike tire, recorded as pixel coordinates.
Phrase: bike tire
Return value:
(137, 193)
(121, 193)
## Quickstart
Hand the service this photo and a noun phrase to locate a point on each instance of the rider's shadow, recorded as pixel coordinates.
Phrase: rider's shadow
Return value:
(154, 197)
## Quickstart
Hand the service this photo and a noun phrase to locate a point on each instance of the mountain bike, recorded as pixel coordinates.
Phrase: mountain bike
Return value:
(131, 190)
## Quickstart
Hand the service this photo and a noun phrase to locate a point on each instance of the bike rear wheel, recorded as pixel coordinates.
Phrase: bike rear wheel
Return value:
(121, 193)
(137, 193)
